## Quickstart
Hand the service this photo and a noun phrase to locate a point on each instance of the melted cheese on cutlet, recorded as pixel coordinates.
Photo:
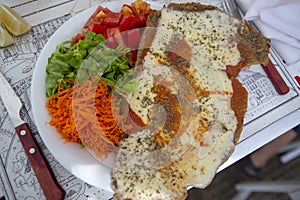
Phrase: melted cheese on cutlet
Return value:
(146, 170)
(142, 99)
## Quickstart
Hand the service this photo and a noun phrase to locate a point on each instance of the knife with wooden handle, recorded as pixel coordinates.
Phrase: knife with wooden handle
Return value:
(52, 190)
(276, 79)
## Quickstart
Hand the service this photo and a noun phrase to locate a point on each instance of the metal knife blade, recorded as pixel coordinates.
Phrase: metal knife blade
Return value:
(11, 101)
(279, 84)
(45, 176)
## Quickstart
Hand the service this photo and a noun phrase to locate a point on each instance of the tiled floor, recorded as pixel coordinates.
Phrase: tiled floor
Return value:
(222, 186)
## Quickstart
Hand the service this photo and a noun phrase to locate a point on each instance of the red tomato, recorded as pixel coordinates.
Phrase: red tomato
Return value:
(77, 38)
(92, 17)
(127, 15)
(130, 22)
(98, 28)
(111, 19)
(126, 10)
(114, 37)
(133, 38)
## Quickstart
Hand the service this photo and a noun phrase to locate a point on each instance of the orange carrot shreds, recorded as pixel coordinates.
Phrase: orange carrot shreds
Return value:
(84, 114)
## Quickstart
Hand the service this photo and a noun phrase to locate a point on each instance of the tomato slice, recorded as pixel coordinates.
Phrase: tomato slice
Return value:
(133, 38)
(126, 10)
(105, 16)
(127, 14)
(92, 17)
(111, 19)
(76, 39)
(130, 22)
(98, 27)
(114, 37)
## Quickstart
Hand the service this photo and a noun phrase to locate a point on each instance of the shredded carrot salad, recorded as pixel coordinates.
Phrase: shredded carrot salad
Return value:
(83, 114)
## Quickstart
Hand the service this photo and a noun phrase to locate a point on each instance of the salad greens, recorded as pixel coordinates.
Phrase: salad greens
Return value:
(89, 56)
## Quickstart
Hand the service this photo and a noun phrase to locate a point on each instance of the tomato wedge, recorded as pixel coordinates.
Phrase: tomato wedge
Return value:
(76, 39)
(98, 27)
(114, 37)
(93, 16)
(131, 21)
(111, 19)
(126, 10)
(133, 38)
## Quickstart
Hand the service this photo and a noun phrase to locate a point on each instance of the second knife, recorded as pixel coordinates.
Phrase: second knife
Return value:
(52, 190)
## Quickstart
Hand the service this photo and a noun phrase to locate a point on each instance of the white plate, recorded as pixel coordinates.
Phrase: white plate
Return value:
(74, 158)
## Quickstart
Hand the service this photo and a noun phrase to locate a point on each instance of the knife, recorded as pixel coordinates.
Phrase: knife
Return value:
(279, 84)
(52, 190)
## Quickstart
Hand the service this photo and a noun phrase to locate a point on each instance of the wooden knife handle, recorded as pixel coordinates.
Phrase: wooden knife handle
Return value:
(278, 82)
(52, 190)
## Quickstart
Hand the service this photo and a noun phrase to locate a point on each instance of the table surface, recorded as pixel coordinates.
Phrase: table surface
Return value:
(269, 114)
